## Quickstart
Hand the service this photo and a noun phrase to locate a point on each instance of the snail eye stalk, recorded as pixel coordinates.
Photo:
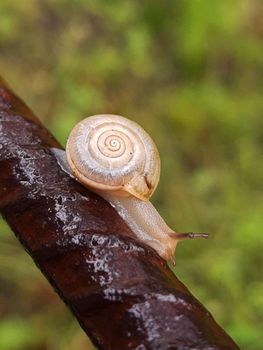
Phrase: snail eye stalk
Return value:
(188, 235)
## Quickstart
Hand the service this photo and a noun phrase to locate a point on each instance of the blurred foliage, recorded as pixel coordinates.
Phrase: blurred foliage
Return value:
(190, 72)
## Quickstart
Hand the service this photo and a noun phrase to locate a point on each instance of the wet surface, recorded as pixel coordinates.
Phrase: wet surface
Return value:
(123, 294)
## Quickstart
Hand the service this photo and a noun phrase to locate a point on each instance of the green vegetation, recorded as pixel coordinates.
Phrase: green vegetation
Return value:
(190, 72)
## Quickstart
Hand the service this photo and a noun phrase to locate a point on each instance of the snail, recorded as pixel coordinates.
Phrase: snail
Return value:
(117, 159)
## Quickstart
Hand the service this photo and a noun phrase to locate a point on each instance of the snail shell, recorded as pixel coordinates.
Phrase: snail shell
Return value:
(109, 152)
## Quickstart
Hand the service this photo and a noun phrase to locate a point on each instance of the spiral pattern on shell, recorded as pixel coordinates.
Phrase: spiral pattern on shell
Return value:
(110, 152)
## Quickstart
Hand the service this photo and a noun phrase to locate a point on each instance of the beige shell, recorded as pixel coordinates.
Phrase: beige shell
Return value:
(110, 152)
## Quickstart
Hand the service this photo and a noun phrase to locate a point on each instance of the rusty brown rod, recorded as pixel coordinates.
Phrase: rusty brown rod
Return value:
(122, 293)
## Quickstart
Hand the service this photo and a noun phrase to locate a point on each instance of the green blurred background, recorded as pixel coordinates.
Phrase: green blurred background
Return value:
(190, 72)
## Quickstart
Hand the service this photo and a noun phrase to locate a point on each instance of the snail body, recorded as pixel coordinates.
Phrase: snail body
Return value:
(117, 159)
(145, 222)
